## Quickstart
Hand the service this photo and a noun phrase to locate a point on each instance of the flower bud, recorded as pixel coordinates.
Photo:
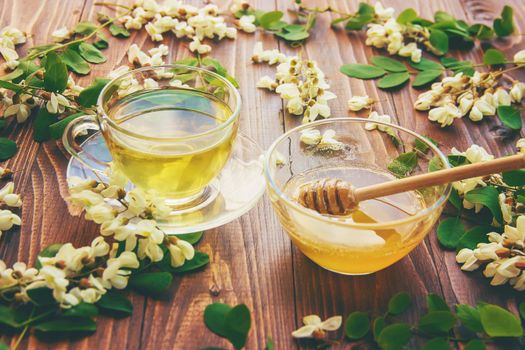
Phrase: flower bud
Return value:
(517, 91)
(502, 97)
(519, 57)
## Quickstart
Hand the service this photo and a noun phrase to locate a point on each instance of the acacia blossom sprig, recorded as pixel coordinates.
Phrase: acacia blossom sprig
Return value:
(298, 81)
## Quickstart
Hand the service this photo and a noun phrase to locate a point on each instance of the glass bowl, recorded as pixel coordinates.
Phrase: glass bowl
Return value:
(383, 230)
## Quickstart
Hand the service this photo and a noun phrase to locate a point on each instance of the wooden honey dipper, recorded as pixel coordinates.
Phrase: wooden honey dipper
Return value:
(338, 197)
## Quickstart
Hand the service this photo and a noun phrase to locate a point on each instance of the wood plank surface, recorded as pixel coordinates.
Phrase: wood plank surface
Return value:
(252, 259)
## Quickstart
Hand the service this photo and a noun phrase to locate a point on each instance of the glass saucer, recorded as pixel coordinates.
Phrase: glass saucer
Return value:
(235, 191)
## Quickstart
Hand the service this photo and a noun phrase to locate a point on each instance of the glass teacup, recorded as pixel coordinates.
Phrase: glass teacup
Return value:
(381, 231)
(169, 129)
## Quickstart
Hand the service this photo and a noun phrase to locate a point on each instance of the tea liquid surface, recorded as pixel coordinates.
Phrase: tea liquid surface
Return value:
(173, 167)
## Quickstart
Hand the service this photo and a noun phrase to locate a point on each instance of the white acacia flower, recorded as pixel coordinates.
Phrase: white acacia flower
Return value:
(149, 248)
(425, 100)
(22, 273)
(376, 117)
(295, 106)
(196, 45)
(329, 141)
(520, 145)
(20, 110)
(10, 56)
(136, 201)
(516, 234)
(137, 56)
(465, 102)
(517, 91)
(114, 276)
(150, 84)
(61, 35)
(444, 115)
(161, 50)
(506, 209)
(54, 278)
(519, 57)
(317, 109)
(502, 97)
(246, 24)
(476, 154)
(100, 212)
(13, 200)
(382, 12)
(57, 103)
(117, 72)
(149, 229)
(310, 137)
(475, 114)
(7, 189)
(8, 219)
(466, 257)
(16, 36)
(288, 91)
(85, 198)
(155, 33)
(267, 82)
(357, 103)
(180, 251)
(239, 5)
(314, 327)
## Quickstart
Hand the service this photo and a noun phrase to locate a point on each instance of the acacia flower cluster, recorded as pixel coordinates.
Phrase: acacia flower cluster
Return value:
(357, 103)
(9, 38)
(503, 256)
(325, 142)
(398, 39)
(459, 95)
(184, 21)
(10, 200)
(298, 81)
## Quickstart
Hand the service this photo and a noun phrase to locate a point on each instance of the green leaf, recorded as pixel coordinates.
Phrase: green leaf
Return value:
(10, 86)
(90, 53)
(75, 62)
(504, 26)
(469, 317)
(357, 325)
(85, 28)
(67, 326)
(457, 66)
(421, 146)
(388, 64)
(41, 125)
(214, 318)
(487, 196)
(89, 96)
(294, 36)
(192, 238)
(436, 303)
(475, 344)
(493, 57)
(362, 71)
(439, 40)
(514, 177)
(407, 16)
(115, 303)
(48, 252)
(219, 69)
(12, 75)
(426, 64)
(393, 80)
(56, 76)
(238, 323)
(270, 17)
(510, 117)
(522, 309)
(41, 296)
(437, 322)
(3, 346)
(378, 326)
(457, 160)
(442, 16)
(394, 336)
(8, 317)
(358, 22)
(404, 164)
(449, 232)
(437, 344)
(481, 31)
(118, 31)
(7, 148)
(426, 77)
(435, 164)
(471, 238)
(498, 322)
(57, 129)
(269, 344)
(399, 303)
(151, 283)
(102, 42)
(82, 310)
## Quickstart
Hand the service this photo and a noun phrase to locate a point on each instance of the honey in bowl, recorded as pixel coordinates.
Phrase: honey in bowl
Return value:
(334, 244)
(173, 169)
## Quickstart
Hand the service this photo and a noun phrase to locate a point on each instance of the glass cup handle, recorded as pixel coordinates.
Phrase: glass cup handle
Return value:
(79, 127)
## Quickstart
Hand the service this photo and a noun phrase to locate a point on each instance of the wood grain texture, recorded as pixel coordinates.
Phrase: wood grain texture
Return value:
(252, 260)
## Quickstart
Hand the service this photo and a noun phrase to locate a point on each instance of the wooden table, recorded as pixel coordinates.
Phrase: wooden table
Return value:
(252, 260)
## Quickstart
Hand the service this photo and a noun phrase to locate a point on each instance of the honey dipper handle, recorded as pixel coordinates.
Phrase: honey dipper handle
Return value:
(440, 177)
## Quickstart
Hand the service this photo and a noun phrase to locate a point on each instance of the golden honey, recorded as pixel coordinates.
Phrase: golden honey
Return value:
(345, 244)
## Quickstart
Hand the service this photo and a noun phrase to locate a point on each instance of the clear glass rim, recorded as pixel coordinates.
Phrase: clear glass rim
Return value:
(421, 213)
(102, 114)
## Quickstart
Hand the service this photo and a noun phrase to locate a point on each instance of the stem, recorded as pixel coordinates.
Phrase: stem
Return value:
(111, 4)
(98, 29)
(24, 331)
